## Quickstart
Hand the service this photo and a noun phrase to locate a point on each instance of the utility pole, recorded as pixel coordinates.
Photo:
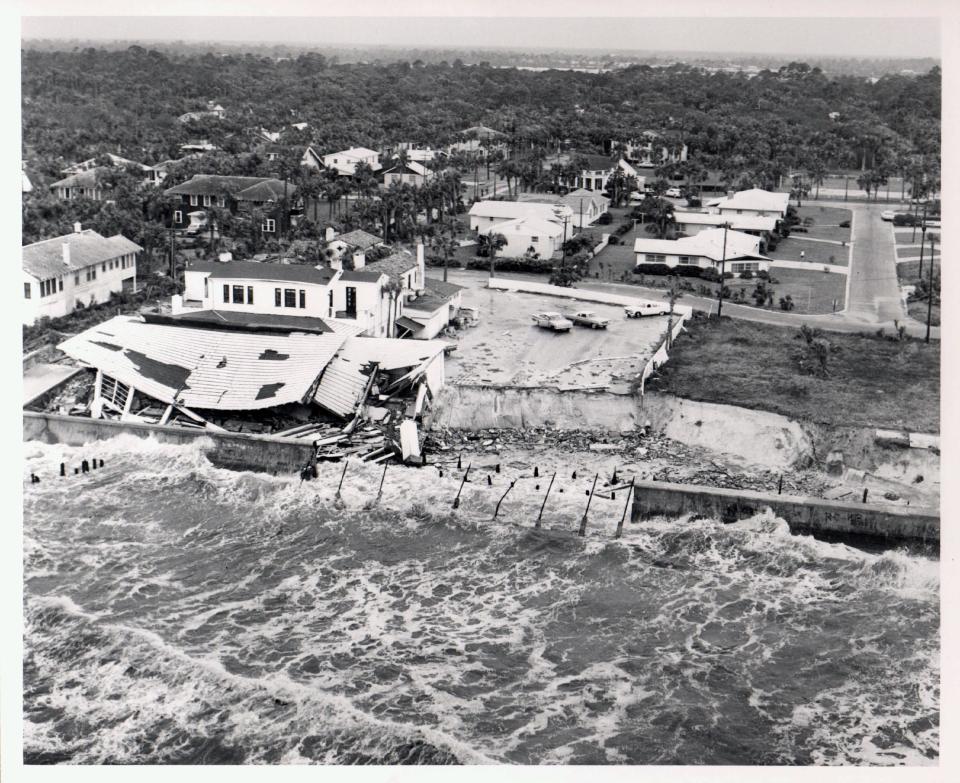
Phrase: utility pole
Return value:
(563, 247)
(723, 267)
(923, 240)
(929, 291)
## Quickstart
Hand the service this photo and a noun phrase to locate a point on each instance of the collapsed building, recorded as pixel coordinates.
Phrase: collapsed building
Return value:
(292, 377)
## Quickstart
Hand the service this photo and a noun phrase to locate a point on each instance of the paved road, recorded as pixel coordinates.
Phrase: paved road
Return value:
(873, 293)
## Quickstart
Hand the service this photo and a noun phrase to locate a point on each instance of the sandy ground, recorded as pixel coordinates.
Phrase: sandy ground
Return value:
(506, 348)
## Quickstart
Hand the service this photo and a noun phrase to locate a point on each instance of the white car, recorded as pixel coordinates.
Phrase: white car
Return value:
(672, 193)
(554, 321)
(887, 214)
(641, 309)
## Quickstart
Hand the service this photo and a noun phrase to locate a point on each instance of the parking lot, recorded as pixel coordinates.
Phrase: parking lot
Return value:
(507, 349)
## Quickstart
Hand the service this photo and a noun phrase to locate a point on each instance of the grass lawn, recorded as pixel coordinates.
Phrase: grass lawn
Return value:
(906, 251)
(873, 382)
(812, 292)
(918, 311)
(909, 271)
(790, 248)
(826, 222)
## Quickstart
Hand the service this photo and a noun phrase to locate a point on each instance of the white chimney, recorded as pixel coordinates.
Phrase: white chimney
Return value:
(225, 257)
(359, 259)
(76, 228)
(731, 193)
(330, 234)
(421, 265)
(66, 253)
(336, 262)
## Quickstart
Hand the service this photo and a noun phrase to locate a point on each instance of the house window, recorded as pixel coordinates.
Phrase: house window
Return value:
(238, 294)
(289, 297)
(178, 216)
(684, 259)
(330, 298)
(226, 293)
(26, 290)
(276, 297)
(194, 200)
(303, 299)
(249, 294)
(351, 301)
(655, 258)
(206, 201)
(269, 225)
(76, 278)
(61, 283)
(104, 266)
(534, 239)
(223, 201)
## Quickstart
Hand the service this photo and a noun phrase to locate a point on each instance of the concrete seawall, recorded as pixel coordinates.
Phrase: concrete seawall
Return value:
(802, 514)
(226, 449)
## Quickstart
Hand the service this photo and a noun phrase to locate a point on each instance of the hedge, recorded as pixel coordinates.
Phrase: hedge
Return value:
(681, 270)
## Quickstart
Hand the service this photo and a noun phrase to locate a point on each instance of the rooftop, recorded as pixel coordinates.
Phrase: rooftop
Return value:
(235, 319)
(755, 198)
(359, 239)
(206, 368)
(44, 259)
(509, 210)
(394, 265)
(256, 270)
(241, 188)
(710, 244)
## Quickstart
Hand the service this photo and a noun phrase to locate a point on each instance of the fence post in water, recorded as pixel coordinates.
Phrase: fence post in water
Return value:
(583, 522)
(380, 490)
(780, 485)
(85, 466)
(626, 507)
(544, 504)
(345, 464)
(497, 509)
(63, 469)
(456, 500)
(865, 495)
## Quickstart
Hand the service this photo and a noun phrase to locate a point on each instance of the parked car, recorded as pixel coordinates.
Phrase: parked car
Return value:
(466, 316)
(590, 319)
(553, 321)
(887, 214)
(646, 308)
(672, 193)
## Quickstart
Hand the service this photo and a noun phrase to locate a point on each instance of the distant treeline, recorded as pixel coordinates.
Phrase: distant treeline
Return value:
(505, 57)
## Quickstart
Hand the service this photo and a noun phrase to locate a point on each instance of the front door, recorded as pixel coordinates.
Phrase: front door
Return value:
(351, 302)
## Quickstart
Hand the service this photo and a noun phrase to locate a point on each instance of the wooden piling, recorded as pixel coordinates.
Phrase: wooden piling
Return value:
(382, 479)
(497, 509)
(626, 507)
(544, 504)
(583, 522)
(344, 473)
(456, 500)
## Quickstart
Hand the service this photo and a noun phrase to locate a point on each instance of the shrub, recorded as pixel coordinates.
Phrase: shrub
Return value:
(614, 240)
(799, 230)
(605, 219)
(905, 219)
(746, 275)
(763, 274)
(652, 269)
(710, 274)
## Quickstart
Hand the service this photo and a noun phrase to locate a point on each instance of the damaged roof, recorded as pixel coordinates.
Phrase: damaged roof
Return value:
(345, 379)
(257, 270)
(359, 239)
(212, 369)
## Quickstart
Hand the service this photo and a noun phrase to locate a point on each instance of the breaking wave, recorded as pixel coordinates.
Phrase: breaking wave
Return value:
(181, 613)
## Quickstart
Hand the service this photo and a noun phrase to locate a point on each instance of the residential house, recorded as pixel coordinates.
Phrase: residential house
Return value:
(83, 180)
(212, 109)
(358, 298)
(238, 194)
(312, 159)
(410, 173)
(599, 169)
(754, 201)
(529, 234)
(650, 149)
(478, 138)
(346, 161)
(692, 223)
(432, 309)
(349, 243)
(78, 269)
(706, 250)
(484, 214)
(199, 145)
(587, 206)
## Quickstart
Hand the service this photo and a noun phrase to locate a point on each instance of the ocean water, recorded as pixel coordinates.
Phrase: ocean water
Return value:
(179, 613)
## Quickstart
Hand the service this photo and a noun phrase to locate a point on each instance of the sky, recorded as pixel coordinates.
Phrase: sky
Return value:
(846, 36)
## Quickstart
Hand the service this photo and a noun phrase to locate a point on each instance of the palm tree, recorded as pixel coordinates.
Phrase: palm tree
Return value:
(393, 290)
(446, 244)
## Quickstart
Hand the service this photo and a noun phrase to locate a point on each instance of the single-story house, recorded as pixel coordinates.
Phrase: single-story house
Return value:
(410, 173)
(432, 308)
(706, 250)
(543, 237)
(754, 201)
(484, 214)
(586, 205)
(692, 223)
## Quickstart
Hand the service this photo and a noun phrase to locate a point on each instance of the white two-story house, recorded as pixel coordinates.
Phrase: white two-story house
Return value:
(346, 161)
(79, 269)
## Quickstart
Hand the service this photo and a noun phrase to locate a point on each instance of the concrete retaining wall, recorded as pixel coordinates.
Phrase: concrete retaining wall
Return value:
(802, 514)
(486, 407)
(226, 450)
